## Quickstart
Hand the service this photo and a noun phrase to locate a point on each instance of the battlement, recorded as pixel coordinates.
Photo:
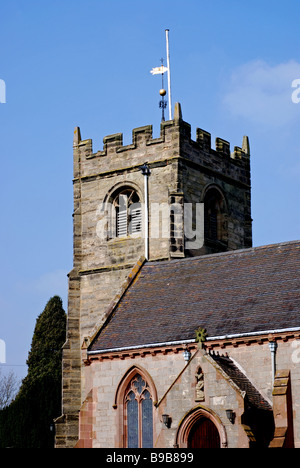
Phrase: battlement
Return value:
(174, 141)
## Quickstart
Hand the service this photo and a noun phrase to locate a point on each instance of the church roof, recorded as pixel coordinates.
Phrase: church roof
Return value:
(239, 292)
(233, 371)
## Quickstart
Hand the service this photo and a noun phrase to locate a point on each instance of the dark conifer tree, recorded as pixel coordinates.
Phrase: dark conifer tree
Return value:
(26, 422)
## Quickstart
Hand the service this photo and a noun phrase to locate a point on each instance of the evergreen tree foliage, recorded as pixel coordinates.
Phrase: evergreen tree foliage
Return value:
(25, 423)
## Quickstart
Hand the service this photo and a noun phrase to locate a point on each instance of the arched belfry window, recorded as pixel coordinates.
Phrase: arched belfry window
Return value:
(126, 215)
(215, 216)
(138, 414)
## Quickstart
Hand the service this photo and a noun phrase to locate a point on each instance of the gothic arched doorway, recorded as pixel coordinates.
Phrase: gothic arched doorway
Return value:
(201, 428)
(204, 434)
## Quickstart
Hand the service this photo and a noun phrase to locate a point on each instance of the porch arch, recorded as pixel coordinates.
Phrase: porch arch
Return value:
(194, 417)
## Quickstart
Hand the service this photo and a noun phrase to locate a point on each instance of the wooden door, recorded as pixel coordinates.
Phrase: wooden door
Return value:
(204, 434)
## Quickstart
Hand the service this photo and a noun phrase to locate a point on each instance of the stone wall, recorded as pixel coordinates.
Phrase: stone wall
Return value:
(176, 394)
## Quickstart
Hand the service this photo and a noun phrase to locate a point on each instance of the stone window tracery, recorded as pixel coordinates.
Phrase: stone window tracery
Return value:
(138, 414)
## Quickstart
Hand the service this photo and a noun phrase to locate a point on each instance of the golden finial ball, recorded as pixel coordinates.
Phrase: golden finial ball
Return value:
(162, 92)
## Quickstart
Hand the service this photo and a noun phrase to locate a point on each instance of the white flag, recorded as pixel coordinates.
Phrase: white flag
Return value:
(158, 70)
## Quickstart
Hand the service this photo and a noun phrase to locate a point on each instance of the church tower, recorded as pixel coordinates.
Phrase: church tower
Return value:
(154, 199)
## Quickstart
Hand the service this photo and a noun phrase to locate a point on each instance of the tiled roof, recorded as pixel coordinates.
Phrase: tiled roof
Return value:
(236, 292)
(241, 380)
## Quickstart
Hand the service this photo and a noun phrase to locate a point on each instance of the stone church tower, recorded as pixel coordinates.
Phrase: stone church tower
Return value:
(130, 202)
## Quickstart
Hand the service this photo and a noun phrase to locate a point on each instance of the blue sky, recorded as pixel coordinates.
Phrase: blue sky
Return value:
(87, 63)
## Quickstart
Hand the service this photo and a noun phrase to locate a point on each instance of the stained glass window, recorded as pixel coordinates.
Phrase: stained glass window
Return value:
(139, 412)
(132, 421)
(147, 425)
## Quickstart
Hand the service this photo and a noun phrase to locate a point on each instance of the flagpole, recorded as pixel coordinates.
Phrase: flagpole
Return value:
(169, 74)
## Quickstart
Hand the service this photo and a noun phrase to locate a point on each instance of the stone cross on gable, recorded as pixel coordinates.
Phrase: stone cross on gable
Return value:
(200, 336)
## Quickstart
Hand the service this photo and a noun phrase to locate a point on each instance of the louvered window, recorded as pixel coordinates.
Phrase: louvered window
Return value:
(128, 213)
(122, 215)
(136, 220)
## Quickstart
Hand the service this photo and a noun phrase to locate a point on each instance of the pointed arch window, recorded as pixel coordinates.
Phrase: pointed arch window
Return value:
(215, 217)
(138, 407)
(128, 213)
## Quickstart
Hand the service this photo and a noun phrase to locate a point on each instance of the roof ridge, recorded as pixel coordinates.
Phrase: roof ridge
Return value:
(221, 254)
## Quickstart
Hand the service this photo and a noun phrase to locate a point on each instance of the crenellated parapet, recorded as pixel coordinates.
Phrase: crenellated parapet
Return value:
(175, 141)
